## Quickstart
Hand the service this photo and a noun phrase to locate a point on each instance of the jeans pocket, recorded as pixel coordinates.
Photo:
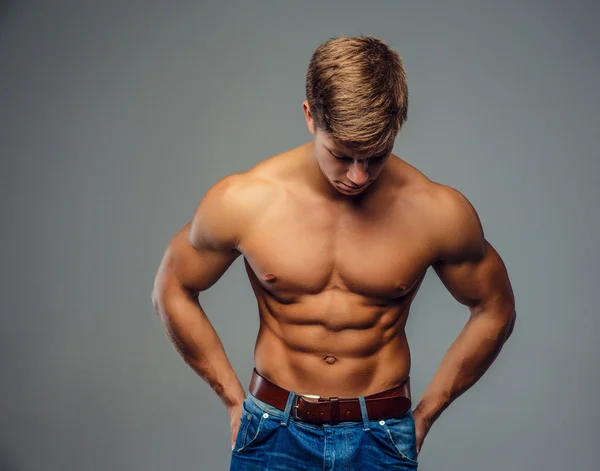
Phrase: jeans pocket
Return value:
(255, 426)
(241, 439)
(401, 435)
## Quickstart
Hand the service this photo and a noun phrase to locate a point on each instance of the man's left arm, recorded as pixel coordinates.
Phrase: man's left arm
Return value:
(475, 275)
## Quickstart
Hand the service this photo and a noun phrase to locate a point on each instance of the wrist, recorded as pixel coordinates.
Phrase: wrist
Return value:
(431, 406)
(229, 390)
(235, 402)
(233, 397)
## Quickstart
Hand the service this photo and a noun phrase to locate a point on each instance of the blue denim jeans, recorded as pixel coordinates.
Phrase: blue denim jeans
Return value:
(271, 439)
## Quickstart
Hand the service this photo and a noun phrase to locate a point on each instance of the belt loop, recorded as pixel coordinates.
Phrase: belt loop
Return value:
(364, 413)
(288, 408)
(335, 410)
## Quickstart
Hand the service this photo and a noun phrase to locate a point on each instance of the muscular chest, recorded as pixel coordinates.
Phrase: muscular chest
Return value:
(297, 249)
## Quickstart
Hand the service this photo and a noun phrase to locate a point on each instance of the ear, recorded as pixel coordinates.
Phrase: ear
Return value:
(308, 116)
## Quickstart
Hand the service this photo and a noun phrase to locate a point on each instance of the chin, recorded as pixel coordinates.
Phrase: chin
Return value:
(346, 190)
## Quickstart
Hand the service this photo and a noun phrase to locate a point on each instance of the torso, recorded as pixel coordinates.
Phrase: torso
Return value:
(335, 280)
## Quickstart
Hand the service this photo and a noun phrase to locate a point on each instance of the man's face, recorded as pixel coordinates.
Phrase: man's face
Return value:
(348, 172)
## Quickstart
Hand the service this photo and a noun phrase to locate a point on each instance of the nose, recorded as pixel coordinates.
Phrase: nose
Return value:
(357, 173)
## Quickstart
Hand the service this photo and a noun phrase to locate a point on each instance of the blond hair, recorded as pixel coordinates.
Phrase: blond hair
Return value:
(357, 93)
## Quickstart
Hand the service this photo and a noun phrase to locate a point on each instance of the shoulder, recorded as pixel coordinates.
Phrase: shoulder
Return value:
(458, 231)
(228, 207)
(240, 192)
(448, 219)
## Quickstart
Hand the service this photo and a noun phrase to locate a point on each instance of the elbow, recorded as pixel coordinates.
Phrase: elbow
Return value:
(510, 325)
(156, 304)
(169, 302)
(160, 303)
(159, 295)
(155, 300)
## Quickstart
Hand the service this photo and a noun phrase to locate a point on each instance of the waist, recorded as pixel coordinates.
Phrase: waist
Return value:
(394, 402)
(342, 371)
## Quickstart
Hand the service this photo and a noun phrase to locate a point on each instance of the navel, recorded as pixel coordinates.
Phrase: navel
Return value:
(330, 360)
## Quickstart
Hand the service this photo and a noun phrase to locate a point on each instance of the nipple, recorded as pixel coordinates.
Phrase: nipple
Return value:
(401, 287)
(330, 360)
(269, 277)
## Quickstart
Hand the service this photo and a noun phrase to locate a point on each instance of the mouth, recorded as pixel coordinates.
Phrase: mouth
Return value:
(352, 189)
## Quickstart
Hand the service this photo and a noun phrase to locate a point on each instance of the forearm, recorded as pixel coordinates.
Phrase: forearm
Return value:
(197, 342)
(468, 358)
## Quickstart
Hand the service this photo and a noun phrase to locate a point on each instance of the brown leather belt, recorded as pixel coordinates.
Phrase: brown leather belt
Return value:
(317, 410)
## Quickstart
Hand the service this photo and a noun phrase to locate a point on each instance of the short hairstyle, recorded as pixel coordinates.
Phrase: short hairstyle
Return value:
(357, 93)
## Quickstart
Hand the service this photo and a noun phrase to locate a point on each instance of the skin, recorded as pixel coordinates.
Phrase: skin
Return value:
(335, 270)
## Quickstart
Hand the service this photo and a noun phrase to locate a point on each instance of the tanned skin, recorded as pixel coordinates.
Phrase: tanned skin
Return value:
(336, 245)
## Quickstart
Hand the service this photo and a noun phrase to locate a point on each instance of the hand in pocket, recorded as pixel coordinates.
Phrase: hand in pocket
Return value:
(235, 416)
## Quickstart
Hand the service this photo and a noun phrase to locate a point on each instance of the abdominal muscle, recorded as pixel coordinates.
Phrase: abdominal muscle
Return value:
(354, 351)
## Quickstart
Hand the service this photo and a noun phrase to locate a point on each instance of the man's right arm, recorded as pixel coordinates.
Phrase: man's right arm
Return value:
(194, 260)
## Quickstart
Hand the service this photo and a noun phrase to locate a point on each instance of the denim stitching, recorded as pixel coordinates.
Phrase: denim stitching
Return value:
(402, 455)
(259, 428)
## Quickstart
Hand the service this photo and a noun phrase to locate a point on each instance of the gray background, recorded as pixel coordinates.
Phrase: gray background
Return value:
(116, 117)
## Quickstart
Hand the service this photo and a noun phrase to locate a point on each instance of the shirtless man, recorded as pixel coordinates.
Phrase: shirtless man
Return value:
(336, 236)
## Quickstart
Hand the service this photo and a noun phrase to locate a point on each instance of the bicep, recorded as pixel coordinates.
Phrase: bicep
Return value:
(204, 248)
(190, 265)
(477, 282)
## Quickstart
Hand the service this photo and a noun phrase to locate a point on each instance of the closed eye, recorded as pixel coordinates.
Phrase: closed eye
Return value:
(377, 160)
(372, 160)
